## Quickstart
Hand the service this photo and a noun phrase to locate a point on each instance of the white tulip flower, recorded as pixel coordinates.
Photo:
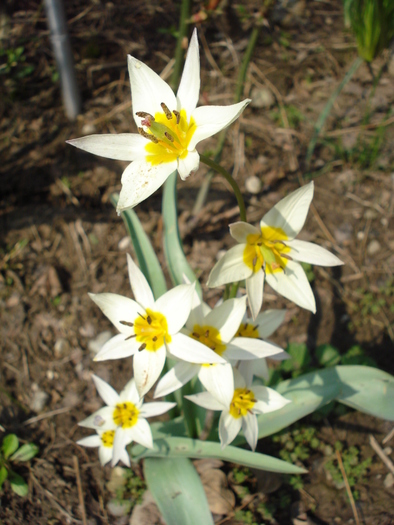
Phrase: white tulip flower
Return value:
(122, 421)
(271, 252)
(170, 127)
(105, 441)
(149, 328)
(246, 403)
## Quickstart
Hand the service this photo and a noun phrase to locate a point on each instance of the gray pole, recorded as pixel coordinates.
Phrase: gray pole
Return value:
(64, 58)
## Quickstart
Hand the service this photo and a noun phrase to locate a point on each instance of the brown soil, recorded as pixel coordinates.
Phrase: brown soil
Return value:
(62, 238)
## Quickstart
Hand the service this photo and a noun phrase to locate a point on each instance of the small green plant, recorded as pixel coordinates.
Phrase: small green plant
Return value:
(294, 115)
(13, 63)
(127, 488)
(11, 452)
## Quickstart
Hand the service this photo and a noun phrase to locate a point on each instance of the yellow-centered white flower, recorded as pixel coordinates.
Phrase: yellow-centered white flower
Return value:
(149, 328)
(272, 252)
(170, 127)
(216, 329)
(122, 421)
(246, 403)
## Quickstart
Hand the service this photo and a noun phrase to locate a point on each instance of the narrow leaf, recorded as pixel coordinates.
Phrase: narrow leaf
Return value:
(174, 447)
(178, 491)
(3, 475)
(10, 444)
(144, 251)
(176, 261)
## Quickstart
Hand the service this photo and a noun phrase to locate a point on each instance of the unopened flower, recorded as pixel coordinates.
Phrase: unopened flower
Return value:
(122, 421)
(246, 403)
(170, 127)
(149, 328)
(216, 329)
(273, 253)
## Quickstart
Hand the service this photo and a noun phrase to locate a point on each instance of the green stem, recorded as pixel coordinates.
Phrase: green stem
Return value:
(237, 192)
(326, 111)
(179, 51)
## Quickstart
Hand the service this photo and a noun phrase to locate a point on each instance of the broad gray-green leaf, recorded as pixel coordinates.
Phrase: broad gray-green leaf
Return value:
(26, 452)
(178, 491)
(177, 263)
(174, 447)
(18, 484)
(9, 445)
(144, 251)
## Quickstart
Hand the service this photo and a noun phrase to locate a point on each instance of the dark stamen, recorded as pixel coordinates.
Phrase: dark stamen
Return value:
(142, 347)
(127, 323)
(154, 339)
(195, 334)
(167, 112)
(170, 137)
(130, 337)
(207, 333)
(143, 114)
(255, 327)
(178, 116)
(142, 316)
(149, 319)
(147, 135)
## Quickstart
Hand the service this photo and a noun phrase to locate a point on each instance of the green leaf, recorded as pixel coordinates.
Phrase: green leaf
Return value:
(178, 491)
(18, 484)
(327, 355)
(300, 357)
(176, 447)
(3, 475)
(177, 263)
(26, 452)
(10, 444)
(146, 256)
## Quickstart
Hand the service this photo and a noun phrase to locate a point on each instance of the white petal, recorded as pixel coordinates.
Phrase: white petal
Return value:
(147, 368)
(219, 381)
(106, 392)
(90, 441)
(290, 213)
(250, 429)
(102, 419)
(188, 349)
(121, 440)
(148, 90)
(125, 458)
(177, 376)
(240, 230)
(230, 268)
(142, 433)
(141, 289)
(130, 393)
(188, 164)
(105, 455)
(196, 313)
(254, 289)
(293, 284)
(251, 348)
(211, 119)
(124, 146)
(117, 347)
(189, 87)
(118, 308)
(239, 380)
(257, 367)
(140, 179)
(227, 317)
(268, 400)
(229, 427)
(156, 408)
(206, 400)
(175, 305)
(312, 253)
(267, 322)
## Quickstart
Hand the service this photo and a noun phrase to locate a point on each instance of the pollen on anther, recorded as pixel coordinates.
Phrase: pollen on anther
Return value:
(167, 112)
(178, 116)
(127, 323)
(169, 136)
(142, 347)
(148, 136)
(149, 319)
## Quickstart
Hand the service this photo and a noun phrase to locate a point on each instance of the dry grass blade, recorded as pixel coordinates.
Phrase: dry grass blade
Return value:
(348, 489)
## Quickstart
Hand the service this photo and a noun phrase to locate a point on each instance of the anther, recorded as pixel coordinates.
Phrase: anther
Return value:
(169, 136)
(285, 256)
(154, 339)
(142, 347)
(255, 327)
(254, 400)
(147, 135)
(207, 333)
(178, 116)
(149, 319)
(130, 337)
(167, 112)
(195, 334)
(145, 115)
(127, 323)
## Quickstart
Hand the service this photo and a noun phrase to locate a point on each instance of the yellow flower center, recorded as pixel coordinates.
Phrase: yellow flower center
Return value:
(266, 250)
(151, 331)
(210, 337)
(107, 438)
(169, 134)
(125, 414)
(247, 330)
(242, 403)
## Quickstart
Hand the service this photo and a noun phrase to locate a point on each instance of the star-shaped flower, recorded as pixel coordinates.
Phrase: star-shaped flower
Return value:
(122, 421)
(170, 127)
(149, 328)
(247, 402)
(273, 253)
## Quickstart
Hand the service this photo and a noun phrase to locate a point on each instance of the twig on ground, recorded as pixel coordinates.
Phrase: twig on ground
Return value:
(379, 451)
(52, 413)
(389, 436)
(80, 491)
(348, 489)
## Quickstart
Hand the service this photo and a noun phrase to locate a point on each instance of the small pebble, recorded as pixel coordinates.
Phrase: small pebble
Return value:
(360, 236)
(39, 399)
(124, 243)
(89, 129)
(370, 214)
(388, 481)
(384, 222)
(50, 374)
(387, 451)
(253, 185)
(373, 247)
(95, 345)
(262, 98)
(61, 347)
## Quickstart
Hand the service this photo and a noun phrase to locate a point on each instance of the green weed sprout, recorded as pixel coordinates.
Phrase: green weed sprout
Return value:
(11, 452)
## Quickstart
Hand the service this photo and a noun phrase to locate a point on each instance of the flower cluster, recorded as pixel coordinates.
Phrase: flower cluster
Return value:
(223, 347)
